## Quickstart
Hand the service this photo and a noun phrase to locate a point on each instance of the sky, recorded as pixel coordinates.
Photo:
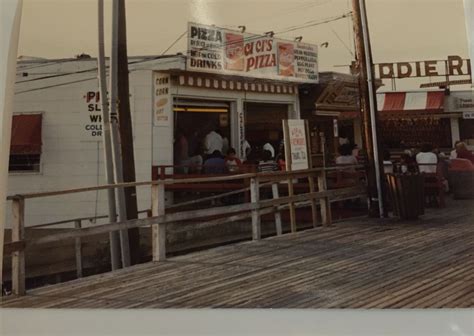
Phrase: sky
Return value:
(400, 30)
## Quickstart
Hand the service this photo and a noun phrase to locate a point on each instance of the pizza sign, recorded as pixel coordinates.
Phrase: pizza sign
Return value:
(218, 50)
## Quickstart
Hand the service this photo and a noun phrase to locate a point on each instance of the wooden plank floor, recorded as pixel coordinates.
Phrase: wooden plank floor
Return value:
(362, 263)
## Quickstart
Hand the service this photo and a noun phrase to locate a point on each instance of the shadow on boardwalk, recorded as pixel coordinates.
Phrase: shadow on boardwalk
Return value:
(362, 263)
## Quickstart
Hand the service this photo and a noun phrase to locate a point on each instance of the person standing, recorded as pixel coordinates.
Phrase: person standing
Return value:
(213, 142)
(427, 160)
(454, 154)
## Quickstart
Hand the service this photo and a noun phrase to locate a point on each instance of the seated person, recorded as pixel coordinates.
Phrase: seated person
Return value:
(269, 148)
(427, 160)
(346, 157)
(232, 162)
(407, 163)
(267, 164)
(215, 164)
(463, 152)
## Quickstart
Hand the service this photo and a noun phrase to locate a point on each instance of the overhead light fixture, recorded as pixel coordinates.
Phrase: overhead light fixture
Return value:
(298, 39)
(324, 45)
(270, 33)
(242, 29)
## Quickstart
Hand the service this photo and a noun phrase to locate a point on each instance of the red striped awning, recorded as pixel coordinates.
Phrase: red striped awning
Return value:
(406, 105)
(26, 134)
(410, 101)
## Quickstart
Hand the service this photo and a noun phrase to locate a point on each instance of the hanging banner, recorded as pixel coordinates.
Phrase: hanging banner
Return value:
(217, 50)
(162, 102)
(297, 141)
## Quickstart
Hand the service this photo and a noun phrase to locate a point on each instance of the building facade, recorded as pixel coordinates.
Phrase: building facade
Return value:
(57, 127)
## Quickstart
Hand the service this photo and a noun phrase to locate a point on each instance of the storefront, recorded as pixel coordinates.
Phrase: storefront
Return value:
(409, 119)
(242, 109)
(326, 106)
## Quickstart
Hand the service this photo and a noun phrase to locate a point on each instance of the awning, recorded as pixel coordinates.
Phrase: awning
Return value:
(395, 105)
(403, 101)
(26, 134)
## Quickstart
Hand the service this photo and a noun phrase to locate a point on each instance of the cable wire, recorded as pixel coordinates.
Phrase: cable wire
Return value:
(175, 41)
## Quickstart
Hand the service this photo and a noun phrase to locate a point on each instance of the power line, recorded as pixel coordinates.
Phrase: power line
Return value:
(85, 71)
(76, 81)
(311, 23)
(254, 37)
(175, 41)
(340, 39)
(316, 23)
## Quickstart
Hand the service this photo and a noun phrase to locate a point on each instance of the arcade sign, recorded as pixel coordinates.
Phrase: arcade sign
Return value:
(452, 66)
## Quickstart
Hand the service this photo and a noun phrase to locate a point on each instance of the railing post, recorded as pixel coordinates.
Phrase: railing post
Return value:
(291, 205)
(78, 250)
(314, 209)
(255, 199)
(326, 215)
(158, 229)
(276, 195)
(18, 257)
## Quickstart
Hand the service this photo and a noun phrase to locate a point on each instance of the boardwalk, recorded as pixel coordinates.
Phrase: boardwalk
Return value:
(355, 264)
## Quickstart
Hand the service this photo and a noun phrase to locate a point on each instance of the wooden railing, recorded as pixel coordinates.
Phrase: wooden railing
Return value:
(318, 194)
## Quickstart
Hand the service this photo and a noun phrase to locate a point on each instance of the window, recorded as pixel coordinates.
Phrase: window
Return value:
(25, 147)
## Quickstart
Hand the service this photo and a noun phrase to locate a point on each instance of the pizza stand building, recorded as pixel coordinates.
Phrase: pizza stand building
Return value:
(57, 129)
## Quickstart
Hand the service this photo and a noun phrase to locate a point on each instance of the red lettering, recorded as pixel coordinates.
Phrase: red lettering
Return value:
(248, 49)
(250, 63)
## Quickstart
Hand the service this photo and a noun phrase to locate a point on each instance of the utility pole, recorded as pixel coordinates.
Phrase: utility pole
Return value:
(106, 138)
(114, 132)
(368, 105)
(126, 132)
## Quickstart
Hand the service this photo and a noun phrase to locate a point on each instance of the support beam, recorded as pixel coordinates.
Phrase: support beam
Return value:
(9, 35)
(158, 230)
(18, 257)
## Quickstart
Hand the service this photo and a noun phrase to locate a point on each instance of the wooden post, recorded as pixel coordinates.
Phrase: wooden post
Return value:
(18, 257)
(288, 160)
(276, 195)
(158, 230)
(326, 215)
(314, 209)
(78, 249)
(255, 198)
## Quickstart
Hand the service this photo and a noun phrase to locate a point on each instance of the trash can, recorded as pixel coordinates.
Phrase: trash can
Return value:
(407, 195)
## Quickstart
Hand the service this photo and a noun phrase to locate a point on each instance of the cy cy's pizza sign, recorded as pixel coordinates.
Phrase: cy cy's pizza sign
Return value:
(218, 50)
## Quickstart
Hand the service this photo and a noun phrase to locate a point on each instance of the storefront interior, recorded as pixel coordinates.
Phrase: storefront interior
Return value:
(263, 123)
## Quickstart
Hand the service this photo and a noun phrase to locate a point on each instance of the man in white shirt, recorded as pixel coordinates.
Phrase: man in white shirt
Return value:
(426, 159)
(212, 142)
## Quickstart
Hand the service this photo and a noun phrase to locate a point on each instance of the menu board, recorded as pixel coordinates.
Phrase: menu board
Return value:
(217, 50)
(296, 141)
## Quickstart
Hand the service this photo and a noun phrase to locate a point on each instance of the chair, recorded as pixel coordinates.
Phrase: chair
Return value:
(461, 178)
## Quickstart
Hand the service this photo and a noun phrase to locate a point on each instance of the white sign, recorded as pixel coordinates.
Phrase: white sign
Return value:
(93, 122)
(298, 144)
(461, 101)
(336, 128)
(218, 50)
(468, 115)
(162, 101)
